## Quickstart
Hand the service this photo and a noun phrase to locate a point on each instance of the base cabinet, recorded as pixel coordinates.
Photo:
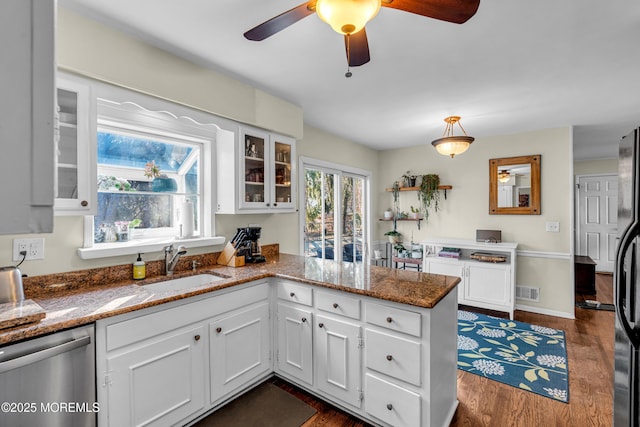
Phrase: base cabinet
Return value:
(239, 346)
(484, 284)
(338, 359)
(160, 381)
(295, 342)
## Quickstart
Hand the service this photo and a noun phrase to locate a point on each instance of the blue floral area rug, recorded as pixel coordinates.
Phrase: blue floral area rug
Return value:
(529, 357)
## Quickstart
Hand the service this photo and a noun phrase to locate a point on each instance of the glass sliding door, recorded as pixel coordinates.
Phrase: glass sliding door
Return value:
(334, 214)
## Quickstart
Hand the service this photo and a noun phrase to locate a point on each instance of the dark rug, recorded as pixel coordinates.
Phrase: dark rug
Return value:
(601, 306)
(265, 406)
(529, 357)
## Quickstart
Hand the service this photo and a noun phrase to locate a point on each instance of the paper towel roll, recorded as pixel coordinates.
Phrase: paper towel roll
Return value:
(186, 219)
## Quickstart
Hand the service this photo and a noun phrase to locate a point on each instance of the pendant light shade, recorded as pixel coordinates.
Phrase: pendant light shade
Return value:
(347, 16)
(450, 145)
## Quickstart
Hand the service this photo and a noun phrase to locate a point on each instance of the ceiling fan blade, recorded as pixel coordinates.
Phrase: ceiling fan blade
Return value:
(456, 11)
(280, 22)
(357, 48)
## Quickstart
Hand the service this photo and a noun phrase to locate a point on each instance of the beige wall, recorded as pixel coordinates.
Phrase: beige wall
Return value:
(587, 167)
(467, 206)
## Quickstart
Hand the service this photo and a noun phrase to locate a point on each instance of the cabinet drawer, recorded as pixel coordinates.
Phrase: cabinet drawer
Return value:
(299, 294)
(338, 304)
(397, 319)
(390, 403)
(393, 356)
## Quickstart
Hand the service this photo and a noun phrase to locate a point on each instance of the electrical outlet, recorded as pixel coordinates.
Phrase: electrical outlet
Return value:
(33, 247)
(553, 226)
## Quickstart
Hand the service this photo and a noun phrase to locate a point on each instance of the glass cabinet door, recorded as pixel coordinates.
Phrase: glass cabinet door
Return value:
(254, 190)
(73, 164)
(282, 188)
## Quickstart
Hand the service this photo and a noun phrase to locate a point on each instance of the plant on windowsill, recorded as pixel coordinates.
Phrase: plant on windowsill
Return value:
(428, 194)
(161, 183)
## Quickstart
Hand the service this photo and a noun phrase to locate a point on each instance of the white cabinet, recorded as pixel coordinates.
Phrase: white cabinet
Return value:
(27, 31)
(484, 284)
(337, 348)
(256, 173)
(167, 365)
(239, 345)
(159, 381)
(295, 342)
(75, 156)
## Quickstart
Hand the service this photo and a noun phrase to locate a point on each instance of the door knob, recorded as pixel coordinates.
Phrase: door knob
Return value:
(197, 338)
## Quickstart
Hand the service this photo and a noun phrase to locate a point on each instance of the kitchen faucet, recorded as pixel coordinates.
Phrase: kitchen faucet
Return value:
(171, 258)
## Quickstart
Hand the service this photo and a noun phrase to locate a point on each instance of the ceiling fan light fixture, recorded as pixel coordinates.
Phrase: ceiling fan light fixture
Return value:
(504, 176)
(450, 145)
(347, 16)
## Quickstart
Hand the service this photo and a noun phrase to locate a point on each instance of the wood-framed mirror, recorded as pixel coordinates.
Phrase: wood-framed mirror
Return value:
(514, 185)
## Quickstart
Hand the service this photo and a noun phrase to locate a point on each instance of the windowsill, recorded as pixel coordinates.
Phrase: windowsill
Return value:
(132, 247)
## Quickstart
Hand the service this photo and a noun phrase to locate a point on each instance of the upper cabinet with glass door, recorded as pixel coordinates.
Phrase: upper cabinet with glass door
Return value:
(260, 169)
(75, 164)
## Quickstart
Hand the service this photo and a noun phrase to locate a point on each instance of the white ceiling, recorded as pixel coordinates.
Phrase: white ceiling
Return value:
(515, 66)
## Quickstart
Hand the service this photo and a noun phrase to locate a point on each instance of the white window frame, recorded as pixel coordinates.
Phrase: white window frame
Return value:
(339, 170)
(116, 108)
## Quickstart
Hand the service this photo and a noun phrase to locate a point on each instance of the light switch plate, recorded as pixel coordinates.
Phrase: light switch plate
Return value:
(553, 226)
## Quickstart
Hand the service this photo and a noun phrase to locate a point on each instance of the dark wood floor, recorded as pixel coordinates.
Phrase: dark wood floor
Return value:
(484, 402)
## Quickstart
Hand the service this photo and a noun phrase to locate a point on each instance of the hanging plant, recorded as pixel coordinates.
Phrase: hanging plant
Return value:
(395, 189)
(428, 194)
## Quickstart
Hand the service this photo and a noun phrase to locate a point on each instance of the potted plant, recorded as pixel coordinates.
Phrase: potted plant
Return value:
(394, 236)
(428, 193)
(409, 180)
(415, 213)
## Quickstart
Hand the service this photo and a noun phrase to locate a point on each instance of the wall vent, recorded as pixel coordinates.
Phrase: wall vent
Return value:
(528, 293)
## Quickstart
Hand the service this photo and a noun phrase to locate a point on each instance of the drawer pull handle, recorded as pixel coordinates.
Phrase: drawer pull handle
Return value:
(84, 203)
(389, 357)
(304, 319)
(321, 325)
(335, 305)
(197, 338)
(389, 319)
(292, 294)
(218, 329)
(389, 406)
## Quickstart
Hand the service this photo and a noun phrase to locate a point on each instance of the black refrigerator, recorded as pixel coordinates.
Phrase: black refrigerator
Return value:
(626, 408)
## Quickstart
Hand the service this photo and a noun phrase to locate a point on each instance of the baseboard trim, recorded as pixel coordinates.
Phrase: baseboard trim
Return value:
(540, 310)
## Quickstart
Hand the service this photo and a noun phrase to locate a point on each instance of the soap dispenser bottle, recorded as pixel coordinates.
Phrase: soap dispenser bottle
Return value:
(139, 269)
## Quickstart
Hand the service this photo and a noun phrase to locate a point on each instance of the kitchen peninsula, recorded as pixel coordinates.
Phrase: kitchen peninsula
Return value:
(379, 343)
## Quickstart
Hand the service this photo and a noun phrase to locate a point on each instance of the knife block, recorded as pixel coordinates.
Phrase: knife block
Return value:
(229, 258)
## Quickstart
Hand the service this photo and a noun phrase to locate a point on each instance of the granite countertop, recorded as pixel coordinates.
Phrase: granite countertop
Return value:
(82, 299)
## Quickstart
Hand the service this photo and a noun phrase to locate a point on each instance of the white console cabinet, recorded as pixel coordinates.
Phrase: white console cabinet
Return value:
(489, 285)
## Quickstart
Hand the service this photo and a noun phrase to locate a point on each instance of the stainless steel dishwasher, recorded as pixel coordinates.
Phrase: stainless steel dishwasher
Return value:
(49, 381)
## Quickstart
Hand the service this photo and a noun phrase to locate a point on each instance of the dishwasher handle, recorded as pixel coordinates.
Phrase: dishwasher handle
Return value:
(38, 356)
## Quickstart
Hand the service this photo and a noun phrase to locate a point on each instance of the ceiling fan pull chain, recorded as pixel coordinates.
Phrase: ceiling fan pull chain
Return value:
(348, 73)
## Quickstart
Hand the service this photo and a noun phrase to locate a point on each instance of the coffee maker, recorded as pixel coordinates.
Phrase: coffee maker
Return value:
(253, 235)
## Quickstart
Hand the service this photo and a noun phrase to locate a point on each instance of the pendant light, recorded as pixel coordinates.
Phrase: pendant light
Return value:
(347, 16)
(450, 145)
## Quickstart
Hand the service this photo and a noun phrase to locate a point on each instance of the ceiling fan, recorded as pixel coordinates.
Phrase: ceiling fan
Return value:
(348, 17)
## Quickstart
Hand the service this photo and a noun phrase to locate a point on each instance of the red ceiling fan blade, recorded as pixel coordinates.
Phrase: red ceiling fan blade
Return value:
(357, 48)
(456, 11)
(280, 22)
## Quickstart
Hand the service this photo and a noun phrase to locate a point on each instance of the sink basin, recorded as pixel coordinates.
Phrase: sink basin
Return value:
(183, 283)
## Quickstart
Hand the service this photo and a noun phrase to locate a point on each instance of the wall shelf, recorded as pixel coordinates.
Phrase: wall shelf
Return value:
(440, 187)
(418, 220)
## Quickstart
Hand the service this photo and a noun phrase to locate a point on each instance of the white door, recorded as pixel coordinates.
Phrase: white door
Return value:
(295, 344)
(239, 349)
(598, 219)
(338, 359)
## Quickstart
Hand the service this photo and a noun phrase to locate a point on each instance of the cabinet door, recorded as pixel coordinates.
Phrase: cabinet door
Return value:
(295, 346)
(448, 268)
(27, 32)
(160, 382)
(239, 348)
(282, 172)
(254, 169)
(489, 283)
(338, 359)
(75, 166)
